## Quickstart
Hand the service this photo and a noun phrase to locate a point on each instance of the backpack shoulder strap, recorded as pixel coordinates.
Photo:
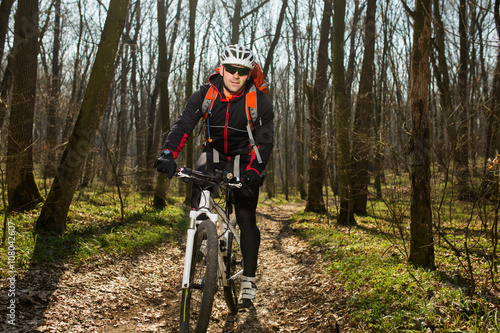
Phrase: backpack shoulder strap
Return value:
(208, 102)
(251, 108)
(251, 105)
(206, 107)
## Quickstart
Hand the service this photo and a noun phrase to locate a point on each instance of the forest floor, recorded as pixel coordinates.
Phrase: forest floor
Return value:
(141, 293)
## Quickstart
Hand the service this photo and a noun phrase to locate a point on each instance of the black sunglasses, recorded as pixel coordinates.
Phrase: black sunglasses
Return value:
(242, 71)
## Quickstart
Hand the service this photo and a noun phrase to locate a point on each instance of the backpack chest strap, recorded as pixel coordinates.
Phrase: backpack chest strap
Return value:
(251, 112)
(236, 162)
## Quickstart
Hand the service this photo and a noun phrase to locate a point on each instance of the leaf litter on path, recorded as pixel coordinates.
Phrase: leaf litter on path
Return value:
(141, 293)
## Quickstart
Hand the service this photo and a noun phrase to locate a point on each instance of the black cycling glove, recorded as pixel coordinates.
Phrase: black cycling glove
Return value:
(166, 164)
(251, 178)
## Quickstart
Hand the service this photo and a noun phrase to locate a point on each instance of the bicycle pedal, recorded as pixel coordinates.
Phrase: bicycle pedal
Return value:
(222, 245)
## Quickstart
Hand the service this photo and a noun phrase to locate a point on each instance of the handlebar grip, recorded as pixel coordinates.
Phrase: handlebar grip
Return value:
(218, 177)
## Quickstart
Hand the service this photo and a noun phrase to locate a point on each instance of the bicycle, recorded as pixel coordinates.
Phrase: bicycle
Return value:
(213, 257)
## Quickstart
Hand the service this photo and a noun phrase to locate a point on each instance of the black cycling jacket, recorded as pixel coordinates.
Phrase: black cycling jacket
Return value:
(227, 125)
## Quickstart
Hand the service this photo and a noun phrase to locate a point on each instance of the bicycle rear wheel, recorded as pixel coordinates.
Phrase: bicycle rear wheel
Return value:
(197, 299)
(234, 263)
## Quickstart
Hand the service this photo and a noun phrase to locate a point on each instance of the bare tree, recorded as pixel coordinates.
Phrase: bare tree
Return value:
(363, 116)
(5, 8)
(316, 96)
(462, 153)
(55, 210)
(123, 123)
(298, 105)
(421, 241)
(55, 89)
(164, 64)
(22, 189)
(441, 73)
(494, 116)
(79, 72)
(270, 53)
(5, 87)
(351, 63)
(383, 95)
(346, 215)
(189, 83)
(237, 17)
(138, 110)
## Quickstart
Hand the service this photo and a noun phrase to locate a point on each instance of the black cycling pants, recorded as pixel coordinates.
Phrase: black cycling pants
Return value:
(245, 201)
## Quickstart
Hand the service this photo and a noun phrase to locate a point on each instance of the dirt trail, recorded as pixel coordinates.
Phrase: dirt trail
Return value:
(141, 293)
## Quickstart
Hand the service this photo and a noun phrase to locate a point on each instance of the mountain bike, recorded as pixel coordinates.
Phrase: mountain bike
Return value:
(213, 257)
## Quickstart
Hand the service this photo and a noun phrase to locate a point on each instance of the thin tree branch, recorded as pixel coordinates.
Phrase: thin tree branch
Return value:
(255, 9)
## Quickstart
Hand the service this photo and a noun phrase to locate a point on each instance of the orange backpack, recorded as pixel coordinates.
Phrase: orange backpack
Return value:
(257, 77)
(258, 82)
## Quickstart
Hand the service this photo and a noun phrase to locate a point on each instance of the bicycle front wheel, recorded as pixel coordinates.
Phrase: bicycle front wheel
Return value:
(197, 299)
(234, 264)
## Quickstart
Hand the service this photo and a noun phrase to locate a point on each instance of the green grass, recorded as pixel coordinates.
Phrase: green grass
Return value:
(385, 293)
(94, 231)
(368, 262)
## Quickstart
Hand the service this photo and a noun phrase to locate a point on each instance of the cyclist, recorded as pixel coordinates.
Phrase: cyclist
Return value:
(228, 145)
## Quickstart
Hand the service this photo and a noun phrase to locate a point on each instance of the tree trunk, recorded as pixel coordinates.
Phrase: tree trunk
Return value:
(55, 210)
(235, 22)
(441, 74)
(381, 102)
(316, 96)
(351, 63)
(299, 109)
(159, 199)
(421, 238)
(23, 193)
(490, 185)
(79, 77)
(364, 107)
(152, 135)
(189, 86)
(55, 89)
(270, 53)
(122, 133)
(462, 153)
(5, 86)
(143, 176)
(5, 8)
(494, 116)
(164, 63)
(346, 215)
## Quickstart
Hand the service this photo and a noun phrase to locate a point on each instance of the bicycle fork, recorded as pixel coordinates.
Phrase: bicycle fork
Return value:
(189, 251)
(204, 208)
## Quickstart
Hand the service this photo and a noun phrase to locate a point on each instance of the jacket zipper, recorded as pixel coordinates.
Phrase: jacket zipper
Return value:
(226, 128)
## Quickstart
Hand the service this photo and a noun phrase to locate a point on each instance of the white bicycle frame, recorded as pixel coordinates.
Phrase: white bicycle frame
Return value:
(206, 204)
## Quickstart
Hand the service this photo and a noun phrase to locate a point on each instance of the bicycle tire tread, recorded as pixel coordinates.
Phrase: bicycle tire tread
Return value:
(210, 280)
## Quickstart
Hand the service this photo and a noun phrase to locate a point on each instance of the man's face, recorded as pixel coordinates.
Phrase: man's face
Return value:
(235, 77)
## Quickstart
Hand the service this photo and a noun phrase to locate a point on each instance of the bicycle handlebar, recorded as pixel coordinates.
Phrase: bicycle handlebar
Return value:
(219, 177)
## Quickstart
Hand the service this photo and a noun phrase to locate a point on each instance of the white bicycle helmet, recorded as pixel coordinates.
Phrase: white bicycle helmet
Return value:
(237, 55)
